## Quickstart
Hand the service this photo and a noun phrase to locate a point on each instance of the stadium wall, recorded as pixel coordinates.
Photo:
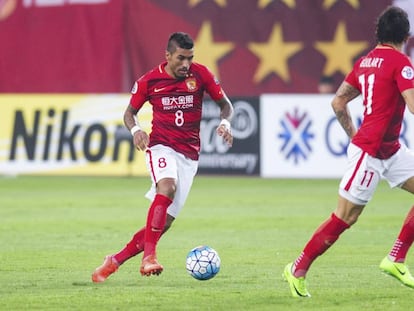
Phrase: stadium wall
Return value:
(276, 136)
(78, 134)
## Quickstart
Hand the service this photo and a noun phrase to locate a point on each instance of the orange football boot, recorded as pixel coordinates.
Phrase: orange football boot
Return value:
(108, 267)
(150, 265)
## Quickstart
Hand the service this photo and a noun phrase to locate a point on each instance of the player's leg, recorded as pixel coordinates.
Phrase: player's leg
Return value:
(406, 236)
(164, 170)
(394, 262)
(323, 238)
(159, 171)
(404, 240)
(156, 220)
(356, 189)
(136, 245)
(186, 170)
(131, 249)
(402, 168)
(163, 167)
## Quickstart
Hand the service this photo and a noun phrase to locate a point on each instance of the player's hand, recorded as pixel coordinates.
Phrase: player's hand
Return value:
(141, 140)
(225, 132)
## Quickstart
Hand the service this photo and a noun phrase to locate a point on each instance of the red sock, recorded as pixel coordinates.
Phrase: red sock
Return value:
(156, 219)
(133, 248)
(405, 239)
(326, 235)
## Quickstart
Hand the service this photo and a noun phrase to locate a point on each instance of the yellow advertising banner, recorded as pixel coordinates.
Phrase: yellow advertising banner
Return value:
(68, 134)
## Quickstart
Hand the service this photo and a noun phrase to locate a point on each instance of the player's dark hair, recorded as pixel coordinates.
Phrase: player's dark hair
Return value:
(181, 40)
(393, 26)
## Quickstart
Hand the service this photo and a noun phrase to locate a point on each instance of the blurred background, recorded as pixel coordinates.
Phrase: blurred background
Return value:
(67, 66)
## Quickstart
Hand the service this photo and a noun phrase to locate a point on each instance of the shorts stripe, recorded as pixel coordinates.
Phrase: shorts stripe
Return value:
(349, 183)
(151, 165)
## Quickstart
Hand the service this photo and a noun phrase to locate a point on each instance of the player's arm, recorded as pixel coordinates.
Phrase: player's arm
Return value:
(408, 96)
(215, 91)
(343, 96)
(226, 114)
(140, 137)
(226, 108)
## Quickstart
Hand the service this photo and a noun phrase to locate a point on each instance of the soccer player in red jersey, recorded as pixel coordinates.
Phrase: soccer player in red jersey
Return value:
(175, 89)
(385, 80)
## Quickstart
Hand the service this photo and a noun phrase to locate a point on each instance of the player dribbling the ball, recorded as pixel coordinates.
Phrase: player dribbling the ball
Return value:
(175, 89)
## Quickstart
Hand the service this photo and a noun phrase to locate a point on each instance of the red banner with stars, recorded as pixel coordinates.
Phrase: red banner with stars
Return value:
(253, 46)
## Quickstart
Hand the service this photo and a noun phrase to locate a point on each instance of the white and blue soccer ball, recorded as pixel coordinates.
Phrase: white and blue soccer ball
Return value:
(203, 263)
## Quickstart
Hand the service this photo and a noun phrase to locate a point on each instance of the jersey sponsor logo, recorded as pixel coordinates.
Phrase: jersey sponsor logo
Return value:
(191, 84)
(407, 73)
(177, 102)
(296, 136)
(135, 88)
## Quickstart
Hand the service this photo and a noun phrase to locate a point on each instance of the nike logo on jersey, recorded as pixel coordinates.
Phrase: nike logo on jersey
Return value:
(156, 90)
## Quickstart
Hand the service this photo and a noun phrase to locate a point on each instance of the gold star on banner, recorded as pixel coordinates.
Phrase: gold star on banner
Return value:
(327, 4)
(208, 52)
(340, 52)
(264, 3)
(221, 3)
(274, 55)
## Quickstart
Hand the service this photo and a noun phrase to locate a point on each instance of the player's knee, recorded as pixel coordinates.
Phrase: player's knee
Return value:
(167, 187)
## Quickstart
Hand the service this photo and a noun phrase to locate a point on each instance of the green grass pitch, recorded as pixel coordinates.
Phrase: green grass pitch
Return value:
(54, 231)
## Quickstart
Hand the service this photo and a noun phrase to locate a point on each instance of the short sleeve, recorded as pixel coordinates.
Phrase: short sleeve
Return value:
(139, 94)
(212, 84)
(404, 75)
(351, 78)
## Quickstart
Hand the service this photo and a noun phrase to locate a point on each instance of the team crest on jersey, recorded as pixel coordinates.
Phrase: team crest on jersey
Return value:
(407, 72)
(134, 88)
(191, 84)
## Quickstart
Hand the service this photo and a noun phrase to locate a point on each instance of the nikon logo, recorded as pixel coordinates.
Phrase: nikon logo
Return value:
(51, 136)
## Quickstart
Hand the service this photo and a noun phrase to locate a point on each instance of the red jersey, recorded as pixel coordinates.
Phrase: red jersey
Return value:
(381, 77)
(176, 105)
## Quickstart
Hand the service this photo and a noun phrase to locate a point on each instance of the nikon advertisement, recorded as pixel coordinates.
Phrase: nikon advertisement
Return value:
(85, 135)
(68, 135)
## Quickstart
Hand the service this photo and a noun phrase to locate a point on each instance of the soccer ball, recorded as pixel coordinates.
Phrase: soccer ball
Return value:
(203, 263)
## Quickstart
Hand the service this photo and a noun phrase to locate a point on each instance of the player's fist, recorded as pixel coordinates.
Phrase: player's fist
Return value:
(141, 140)
(225, 132)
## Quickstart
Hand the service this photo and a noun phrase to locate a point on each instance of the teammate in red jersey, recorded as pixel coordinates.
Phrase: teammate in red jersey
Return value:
(385, 80)
(175, 90)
